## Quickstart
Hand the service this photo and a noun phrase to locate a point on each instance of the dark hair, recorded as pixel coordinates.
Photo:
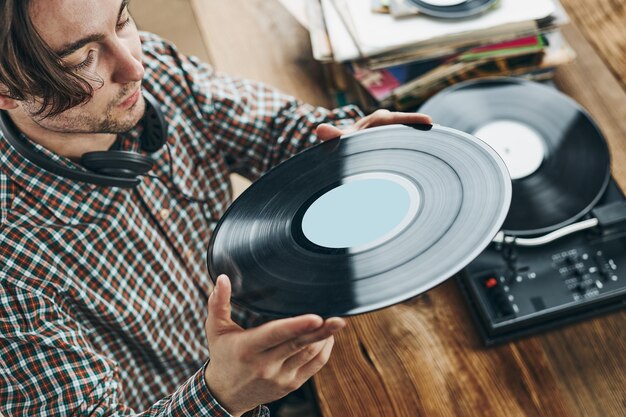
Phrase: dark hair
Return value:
(30, 69)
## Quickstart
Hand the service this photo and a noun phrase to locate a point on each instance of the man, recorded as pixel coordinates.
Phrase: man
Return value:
(103, 289)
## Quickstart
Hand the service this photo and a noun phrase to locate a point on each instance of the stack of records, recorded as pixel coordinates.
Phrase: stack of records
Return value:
(397, 53)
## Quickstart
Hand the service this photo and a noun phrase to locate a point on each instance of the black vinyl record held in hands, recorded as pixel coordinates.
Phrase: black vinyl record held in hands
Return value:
(558, 159)
(361, 222)
(453, 9)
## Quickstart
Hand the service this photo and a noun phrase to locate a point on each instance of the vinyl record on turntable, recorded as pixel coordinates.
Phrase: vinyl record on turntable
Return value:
(362, 222)
(452, 9)
(558, 159)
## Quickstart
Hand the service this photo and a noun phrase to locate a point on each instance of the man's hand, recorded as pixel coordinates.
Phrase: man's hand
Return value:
(260, 365)
(378, 118)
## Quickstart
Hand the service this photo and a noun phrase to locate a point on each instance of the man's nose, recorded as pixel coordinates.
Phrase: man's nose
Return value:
(128, 67)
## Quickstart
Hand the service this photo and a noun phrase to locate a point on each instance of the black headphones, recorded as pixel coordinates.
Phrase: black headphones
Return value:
(110, 168)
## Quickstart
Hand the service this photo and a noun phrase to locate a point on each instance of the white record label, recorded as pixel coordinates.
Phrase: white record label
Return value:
(519, 145)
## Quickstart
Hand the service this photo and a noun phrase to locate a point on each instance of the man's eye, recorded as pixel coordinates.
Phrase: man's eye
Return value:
(86, 63)
(123, 24)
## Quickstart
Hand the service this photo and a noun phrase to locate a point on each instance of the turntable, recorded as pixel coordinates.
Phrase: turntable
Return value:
(529, 213)
(561, 254)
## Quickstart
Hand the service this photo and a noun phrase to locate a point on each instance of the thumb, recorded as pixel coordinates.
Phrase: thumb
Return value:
(219, 320)
(326, 132)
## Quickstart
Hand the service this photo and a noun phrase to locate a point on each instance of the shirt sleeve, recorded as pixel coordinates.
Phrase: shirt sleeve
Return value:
(48, 367)
(257, 127)
(253, 125)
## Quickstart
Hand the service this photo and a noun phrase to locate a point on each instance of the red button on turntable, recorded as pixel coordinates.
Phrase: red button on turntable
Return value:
(491, 282)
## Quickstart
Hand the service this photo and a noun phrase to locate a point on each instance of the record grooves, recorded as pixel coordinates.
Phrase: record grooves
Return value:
(362, 222)
(573, 170)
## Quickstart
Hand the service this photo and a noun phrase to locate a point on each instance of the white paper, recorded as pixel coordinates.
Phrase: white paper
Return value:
(377, 33)
(297, 8)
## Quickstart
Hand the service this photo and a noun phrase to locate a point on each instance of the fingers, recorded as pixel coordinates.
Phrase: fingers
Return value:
(314, 365)
(219, 319)
(385, 117)
(305, 355)
(326, 132)
(293, 346)
(274, 333)
(380, 117)
(290, 334)
(330, 327)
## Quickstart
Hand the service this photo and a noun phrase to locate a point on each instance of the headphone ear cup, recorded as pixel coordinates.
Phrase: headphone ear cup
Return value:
(154, 125)
(112, 168)
(117, 163)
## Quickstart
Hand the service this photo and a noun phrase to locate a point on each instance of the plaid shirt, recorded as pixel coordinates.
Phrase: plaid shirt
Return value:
(103, 291)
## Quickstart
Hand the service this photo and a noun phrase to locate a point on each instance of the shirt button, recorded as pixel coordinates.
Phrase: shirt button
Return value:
(164, 214)
(189, 255)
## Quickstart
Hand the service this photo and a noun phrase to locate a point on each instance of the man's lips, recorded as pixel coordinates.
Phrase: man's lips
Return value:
(132, 99)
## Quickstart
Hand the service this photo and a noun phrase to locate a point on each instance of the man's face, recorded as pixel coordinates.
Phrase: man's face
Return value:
(99, 41)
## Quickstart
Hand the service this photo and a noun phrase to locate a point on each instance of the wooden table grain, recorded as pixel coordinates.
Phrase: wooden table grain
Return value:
(424, 357)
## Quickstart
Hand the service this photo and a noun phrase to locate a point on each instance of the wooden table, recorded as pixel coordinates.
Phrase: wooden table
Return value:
(424, 357)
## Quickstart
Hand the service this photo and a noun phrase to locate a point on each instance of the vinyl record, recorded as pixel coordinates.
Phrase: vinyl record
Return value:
(558, 159)
(452, 9)
(362, 222)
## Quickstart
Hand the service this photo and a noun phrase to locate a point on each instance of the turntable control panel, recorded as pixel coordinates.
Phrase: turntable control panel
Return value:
(570, 277)
(518, 291)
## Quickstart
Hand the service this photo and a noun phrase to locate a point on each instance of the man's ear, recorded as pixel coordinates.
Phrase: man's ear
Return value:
(6, 102)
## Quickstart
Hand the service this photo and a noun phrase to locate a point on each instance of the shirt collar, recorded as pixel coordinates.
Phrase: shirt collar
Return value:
(62, 196)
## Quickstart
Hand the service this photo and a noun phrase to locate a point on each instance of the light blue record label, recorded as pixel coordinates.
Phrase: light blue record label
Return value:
(365, 211)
